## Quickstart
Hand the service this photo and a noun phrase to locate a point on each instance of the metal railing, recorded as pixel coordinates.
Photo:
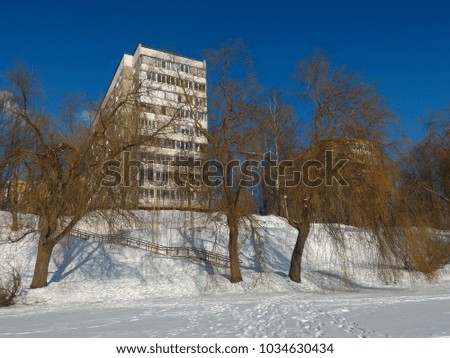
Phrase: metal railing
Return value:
(210, 257)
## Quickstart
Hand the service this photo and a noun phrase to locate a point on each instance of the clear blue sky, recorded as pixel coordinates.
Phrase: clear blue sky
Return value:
(403, 47)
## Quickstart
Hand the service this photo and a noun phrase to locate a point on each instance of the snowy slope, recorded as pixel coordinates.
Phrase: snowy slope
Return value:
(101, 290)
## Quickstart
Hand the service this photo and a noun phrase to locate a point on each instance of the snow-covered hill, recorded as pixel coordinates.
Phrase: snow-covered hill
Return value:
(102, 290)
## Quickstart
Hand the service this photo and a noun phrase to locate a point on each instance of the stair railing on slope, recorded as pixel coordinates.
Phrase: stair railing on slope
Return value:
(210, 257)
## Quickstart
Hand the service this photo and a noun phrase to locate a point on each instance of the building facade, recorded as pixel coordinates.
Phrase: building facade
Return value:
(172, 125)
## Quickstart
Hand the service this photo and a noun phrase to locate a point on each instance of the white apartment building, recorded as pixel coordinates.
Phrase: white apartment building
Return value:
(172, 105)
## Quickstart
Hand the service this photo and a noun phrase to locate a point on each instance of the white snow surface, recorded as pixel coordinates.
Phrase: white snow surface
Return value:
(102, 290)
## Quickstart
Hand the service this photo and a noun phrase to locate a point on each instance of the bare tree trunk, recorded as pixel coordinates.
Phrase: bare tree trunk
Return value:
(15, 221)
(13, 205)
(295, 270)
(316, 130)
(235, 269)
(42, 263)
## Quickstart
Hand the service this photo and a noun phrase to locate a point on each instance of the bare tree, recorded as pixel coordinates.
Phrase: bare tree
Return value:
(426, 171)
(234, 107)
(347, 176)
(279, 140)
(341, 102)
(62, 161)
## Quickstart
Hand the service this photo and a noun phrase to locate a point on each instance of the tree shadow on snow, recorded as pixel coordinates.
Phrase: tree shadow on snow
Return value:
(91, 259)
(335, 281)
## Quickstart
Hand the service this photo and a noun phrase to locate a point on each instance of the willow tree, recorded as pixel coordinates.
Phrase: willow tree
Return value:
(61, 163)
(233, 108)
(347, 176)
(426, 171)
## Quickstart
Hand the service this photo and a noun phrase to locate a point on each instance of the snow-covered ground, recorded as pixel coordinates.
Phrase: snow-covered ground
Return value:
(98, 290)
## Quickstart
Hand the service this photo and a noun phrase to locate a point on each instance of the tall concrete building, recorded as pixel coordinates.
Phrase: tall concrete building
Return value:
(172, 110)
